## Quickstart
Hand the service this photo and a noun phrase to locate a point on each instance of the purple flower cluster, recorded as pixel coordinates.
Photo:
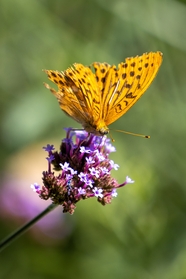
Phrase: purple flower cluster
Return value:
(84, 171)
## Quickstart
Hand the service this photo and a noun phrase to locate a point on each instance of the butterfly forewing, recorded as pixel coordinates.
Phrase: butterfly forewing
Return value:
(134, 77)
(101, 70)
(74, 91)
(66, 97)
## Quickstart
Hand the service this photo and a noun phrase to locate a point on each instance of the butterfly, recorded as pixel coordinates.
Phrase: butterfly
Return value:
(98, 95)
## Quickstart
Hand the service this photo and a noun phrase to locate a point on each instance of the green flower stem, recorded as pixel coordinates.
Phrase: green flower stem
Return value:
(8, 240)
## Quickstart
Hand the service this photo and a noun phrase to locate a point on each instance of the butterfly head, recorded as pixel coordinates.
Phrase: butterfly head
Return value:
(103, 131)
(98, 129)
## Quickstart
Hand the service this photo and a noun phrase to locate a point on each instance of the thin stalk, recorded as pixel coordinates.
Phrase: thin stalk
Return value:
(8, 240)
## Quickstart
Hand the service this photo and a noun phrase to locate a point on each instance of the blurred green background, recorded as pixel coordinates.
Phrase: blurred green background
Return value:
(142, 234)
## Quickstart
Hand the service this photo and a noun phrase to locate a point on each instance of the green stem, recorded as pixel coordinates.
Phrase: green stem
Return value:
(8, 240)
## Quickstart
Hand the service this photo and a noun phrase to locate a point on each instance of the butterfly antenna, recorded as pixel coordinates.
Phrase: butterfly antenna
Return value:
(110, 135)
(133, 134)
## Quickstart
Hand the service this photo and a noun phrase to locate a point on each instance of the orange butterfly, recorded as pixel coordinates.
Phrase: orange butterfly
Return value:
(97, 99)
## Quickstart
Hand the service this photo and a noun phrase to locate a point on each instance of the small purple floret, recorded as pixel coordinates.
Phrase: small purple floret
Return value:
(50, 158)
(35, 187)
(49, 148)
